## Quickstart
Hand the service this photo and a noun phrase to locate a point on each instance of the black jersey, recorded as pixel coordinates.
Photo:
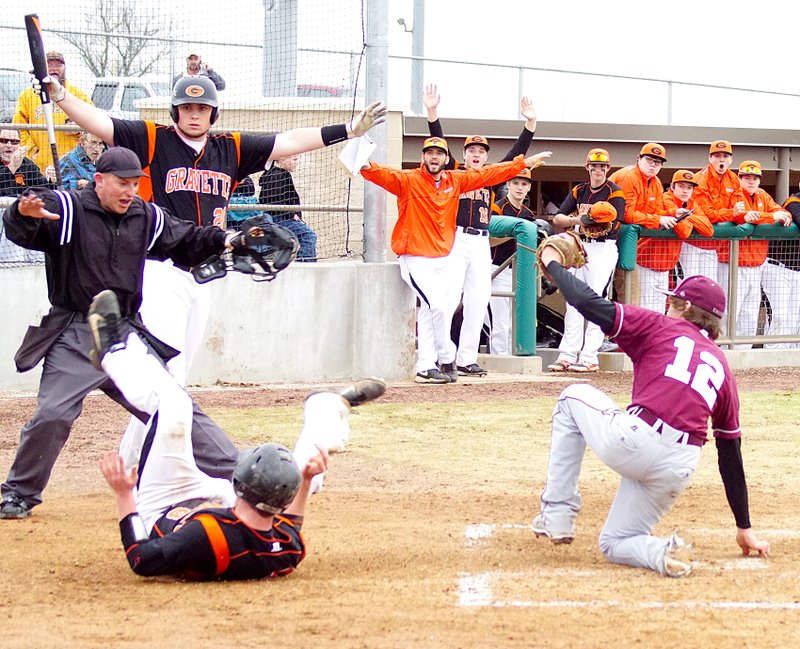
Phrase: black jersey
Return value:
(504, 250)
(584, 194)
(201, 543)
(194, 186)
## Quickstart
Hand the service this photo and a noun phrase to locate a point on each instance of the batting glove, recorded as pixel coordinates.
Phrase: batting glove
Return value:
(372, 115)
(57, 91)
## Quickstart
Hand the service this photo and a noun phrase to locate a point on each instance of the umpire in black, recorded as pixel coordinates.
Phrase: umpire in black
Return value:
(95, 238)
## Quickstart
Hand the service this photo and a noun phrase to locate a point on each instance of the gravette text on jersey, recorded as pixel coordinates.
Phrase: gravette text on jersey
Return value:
(203, 181)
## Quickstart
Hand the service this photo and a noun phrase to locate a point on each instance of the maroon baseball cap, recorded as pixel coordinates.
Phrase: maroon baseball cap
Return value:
(701, 291)
(121, 162)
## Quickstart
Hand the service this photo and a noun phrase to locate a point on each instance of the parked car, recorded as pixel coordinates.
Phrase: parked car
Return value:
(116, 95)
(12, 83)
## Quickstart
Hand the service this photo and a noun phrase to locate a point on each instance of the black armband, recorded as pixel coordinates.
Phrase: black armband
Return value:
(132, 530)
(334, 134)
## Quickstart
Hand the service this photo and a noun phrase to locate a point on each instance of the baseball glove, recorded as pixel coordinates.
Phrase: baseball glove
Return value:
(595, 230)
(569, 247)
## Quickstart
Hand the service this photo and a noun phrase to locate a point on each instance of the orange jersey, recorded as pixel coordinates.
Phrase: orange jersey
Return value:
(716, 197)
(426, 222)
(753, 252)
(644, 197)
(662, 254)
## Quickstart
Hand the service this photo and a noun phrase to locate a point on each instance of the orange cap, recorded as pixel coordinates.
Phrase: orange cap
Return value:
(654, 150)
(598, 156)
(750, 168)
(435, 143)
(600, 212)
(525, 173)
(720, 146)
(684, 176)
(477, 139)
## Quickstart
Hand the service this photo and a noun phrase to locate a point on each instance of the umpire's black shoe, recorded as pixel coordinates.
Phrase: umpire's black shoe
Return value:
(471, 370)
(109, 330)
(14, 507)
(449, 369)
(363, 390)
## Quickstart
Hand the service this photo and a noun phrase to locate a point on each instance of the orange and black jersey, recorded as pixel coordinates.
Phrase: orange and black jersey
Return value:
(583, 194)
(475, 207)
(216, 544)
(504, 250)
(194, 186)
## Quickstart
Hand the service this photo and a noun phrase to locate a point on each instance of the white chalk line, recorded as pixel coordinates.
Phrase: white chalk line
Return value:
(475, 590)
(477, 532)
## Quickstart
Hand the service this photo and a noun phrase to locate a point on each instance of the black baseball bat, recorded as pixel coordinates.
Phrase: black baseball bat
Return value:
(39, 60)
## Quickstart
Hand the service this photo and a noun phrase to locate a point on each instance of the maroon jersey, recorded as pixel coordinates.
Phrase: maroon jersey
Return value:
(194, 186)
(679, 374)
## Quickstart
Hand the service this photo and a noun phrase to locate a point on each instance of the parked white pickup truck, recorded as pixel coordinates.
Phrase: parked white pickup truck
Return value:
(116, 95)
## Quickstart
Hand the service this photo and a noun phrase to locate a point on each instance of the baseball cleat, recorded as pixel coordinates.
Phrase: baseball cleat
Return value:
(14, 507)
(678, 557)
(583, 368)
(363, 390)
(556, 538)
(449, 370)
(471, 370)
(109, 330)
(559, 366)
(432, 375)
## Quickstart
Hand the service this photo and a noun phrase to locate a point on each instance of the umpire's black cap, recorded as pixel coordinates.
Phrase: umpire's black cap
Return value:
(121, 162)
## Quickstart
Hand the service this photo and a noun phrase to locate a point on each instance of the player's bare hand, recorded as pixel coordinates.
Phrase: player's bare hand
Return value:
(33, 206)
(751, 217)
(739, 208)
(431, 97)
(371, 116)
(537, 159)
(528, 111)
(316, 464)
(121, 480)
(667, 222)
(748, 541)
(782, 218)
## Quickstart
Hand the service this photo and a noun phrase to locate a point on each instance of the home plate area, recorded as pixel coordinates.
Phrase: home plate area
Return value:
(604, 586)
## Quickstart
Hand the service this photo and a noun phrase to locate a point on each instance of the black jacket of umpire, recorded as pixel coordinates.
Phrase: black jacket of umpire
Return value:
(89, 250)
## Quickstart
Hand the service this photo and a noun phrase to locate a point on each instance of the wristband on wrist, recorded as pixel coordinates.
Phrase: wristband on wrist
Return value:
(334, 134)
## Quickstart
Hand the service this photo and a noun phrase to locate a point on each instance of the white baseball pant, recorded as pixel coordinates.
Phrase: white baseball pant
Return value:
(500, 340)
(577, 344)
(431, 279)
(698, 261)
(472, 268)
(649, 281)
(175, 310)
(782, 288)
(748, 300)
(654, 468)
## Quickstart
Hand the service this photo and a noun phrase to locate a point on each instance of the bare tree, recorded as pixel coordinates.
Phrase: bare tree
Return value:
(123, 39)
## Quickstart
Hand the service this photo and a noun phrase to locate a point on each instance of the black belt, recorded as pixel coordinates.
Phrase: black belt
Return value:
(598, 239)
(474, 231)
(656, 423)
(775, 262)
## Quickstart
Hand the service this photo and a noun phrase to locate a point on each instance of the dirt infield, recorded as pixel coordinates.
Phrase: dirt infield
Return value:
(407, 550)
